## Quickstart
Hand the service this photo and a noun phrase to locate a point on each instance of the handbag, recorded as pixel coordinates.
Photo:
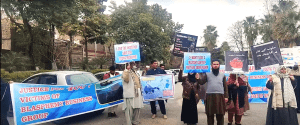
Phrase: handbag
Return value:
(229, 105)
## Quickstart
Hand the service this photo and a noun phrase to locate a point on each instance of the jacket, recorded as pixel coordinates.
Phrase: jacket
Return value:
(155, 71)
(128, 84)
(188, 87)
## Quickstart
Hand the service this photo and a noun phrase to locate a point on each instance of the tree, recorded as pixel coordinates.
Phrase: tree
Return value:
(236, 36)
(250, 31)
(151, 26)
(13, 61)
(265, 28)
(99, 62)
(210, 37)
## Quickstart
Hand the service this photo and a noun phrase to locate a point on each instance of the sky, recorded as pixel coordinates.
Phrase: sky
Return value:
(197, 14)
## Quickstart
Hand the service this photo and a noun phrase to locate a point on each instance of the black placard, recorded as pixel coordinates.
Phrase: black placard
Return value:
(184, 43)
(236, 61)
(266, 54)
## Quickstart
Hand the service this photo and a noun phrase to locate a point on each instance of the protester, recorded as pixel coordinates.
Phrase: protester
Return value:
(162, 66)
(112, 73)
(296, 74)
(145, 71)
(247, 105)
(133, 99)
(5, 101)
(282, 101)
(236, 101)
(191, 86)
(153, 71)
(216, 94)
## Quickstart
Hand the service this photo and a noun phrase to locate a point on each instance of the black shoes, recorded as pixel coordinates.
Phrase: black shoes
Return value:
(110, 114)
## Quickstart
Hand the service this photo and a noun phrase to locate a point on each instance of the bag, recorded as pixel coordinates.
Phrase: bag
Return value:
(229, 105)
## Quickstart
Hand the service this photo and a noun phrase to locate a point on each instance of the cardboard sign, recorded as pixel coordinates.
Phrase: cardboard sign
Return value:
(236, 62)
(266, 54)
(184, 43)
(196, 62)
(287, 56)
(296, 52)
(127, 52)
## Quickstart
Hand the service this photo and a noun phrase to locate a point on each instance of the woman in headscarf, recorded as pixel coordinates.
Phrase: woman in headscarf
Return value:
(247, 105)
(236, 101)
(191, 87)
(282, 103)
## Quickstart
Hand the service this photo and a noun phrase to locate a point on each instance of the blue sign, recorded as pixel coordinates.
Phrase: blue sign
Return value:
(33, 103)
(156, 87)
(196, 62)
(127, 52)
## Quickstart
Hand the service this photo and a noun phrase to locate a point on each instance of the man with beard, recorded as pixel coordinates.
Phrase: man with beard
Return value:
(216, 94)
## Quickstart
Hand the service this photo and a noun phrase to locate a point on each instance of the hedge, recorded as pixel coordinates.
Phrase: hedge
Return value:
(99, 70)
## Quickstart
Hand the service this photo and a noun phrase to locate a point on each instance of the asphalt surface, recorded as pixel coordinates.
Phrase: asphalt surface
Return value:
(256, 115)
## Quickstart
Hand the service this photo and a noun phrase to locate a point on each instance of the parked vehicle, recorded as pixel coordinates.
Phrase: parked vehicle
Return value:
(174, 73)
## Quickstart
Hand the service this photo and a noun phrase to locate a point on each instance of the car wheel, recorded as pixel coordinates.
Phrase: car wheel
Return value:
(61, 121)
(100, 111)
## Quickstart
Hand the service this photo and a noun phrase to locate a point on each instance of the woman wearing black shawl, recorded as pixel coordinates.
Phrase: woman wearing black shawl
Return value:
(236, 101)
(191, 86)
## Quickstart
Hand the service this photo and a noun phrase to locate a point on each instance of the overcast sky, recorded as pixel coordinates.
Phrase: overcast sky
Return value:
(197, 14)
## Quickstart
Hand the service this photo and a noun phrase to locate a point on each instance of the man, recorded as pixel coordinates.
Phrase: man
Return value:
(5, 101)
(145, 71)
(216, 94)
(112, 73)
(133, 100)
(296, 73)
(162, 66)
(153, 71)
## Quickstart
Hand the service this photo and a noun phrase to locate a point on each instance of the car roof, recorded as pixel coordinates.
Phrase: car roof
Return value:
(62, 72)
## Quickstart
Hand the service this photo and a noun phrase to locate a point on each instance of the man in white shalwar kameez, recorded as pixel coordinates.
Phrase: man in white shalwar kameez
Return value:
(133, 99)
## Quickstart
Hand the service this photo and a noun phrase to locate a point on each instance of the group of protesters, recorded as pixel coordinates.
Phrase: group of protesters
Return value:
(221, 95)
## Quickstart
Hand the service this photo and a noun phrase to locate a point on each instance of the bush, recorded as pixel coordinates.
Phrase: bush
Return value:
(99, 70)
(19, 76)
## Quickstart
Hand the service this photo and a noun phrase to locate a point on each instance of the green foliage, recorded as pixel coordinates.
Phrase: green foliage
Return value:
(210, 37)
(13, 61)
(19, 76)
(99, 62)
(99, 70)
(151, 26)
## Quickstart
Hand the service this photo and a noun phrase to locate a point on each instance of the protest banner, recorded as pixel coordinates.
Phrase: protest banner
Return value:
(36, 103)
(184, 43)
(288, 56)
(157, 87)
(196, 62)
(266, 54)
(236, 61)
(296, 52)
(127, 52)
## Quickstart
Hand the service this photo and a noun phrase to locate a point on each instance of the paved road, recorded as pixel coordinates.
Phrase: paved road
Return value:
(257, 115)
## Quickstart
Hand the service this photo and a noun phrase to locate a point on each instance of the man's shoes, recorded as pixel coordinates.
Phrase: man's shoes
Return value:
(114, 114)
(109, 114)
(153, 116)
(165, 117)
(237, 124)
(229, 124)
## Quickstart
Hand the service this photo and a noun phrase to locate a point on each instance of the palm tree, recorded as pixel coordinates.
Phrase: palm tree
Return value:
(210, 37)
(265, 28)
(250, 30)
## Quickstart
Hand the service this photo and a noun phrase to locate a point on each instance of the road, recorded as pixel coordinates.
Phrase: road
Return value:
(257, 115)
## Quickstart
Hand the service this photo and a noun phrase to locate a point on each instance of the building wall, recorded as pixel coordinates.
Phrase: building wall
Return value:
(6, 34)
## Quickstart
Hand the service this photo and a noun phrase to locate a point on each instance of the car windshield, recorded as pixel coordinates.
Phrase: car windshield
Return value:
(76, 79)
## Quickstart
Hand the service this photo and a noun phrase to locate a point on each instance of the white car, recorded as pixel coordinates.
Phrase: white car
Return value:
(174, 73)
(62, 78)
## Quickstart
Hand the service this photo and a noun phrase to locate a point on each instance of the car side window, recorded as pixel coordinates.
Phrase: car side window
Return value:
(48, 79)
(99, 76)
(32, 80)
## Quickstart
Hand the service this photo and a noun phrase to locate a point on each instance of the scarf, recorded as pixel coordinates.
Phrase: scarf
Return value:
(215, 71)
(234, 92)
(289, 94)
(192, 77)
(136, 81)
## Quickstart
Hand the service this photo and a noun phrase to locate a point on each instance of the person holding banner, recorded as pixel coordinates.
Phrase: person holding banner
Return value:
(216, 94)
(191, 87)
(112, 73)
(133, 99)
(236, 101)
(153, 71)
(282, 103)
(5, 101)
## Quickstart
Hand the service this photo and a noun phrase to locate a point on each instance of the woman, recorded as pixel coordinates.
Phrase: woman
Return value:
(191, 86)
(236, 101)
(247, 106)
(282, 103)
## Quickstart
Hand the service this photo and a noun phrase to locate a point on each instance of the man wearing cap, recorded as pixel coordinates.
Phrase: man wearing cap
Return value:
(133, 99)
(112, 73)
(216, 94)
(153, 71)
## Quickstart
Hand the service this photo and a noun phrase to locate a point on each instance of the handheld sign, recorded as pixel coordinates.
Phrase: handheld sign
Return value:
(236, 62)
(266, 54)
(288, 56)
(184, 43)
(127, 52)
(196, 62)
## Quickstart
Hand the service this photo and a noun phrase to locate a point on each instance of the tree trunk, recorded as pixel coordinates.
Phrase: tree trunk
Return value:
(86, 48)
(29, 28)
(70, 51)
